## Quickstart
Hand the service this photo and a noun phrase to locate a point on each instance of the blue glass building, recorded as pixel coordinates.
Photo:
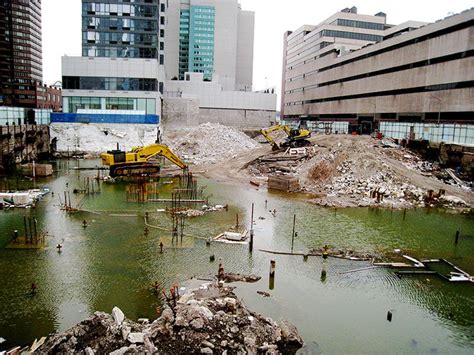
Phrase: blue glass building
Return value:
(196, 41)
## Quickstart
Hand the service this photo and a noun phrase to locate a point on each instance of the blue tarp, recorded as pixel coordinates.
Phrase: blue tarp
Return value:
(103, 118)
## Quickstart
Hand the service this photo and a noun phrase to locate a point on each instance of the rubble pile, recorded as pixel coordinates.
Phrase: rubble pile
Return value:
(351, 171)
(208, 320)
(209, 143)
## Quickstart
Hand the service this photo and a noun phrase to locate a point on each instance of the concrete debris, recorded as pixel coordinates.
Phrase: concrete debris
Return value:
(118, 316)
(97, 138)
(231, 277)
(206, 320)
(209, 143)
(23, 199)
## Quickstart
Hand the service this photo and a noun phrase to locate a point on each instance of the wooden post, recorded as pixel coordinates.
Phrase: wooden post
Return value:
(404, 213)
(251, 231)
(293, 235)
(456, 239)
(271, 283)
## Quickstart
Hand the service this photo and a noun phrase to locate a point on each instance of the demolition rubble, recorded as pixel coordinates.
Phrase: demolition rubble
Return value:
(209, 143)
(338, 170)
(207, 320)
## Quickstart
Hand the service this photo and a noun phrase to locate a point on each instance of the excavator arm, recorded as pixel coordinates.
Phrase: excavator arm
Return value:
(266, 132)
(150, 151)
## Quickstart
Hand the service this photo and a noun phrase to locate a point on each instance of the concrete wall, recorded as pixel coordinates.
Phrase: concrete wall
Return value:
(184, 112)
(23, 143)
(213, 95)
(180, 113)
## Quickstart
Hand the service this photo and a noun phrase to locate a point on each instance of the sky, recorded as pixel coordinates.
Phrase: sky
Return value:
(61, 21)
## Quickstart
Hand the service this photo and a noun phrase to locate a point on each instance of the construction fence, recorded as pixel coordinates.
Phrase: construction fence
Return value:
(447, 133)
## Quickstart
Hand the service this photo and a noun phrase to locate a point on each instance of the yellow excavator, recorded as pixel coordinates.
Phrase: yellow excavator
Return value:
(137, 161)
(296, 137)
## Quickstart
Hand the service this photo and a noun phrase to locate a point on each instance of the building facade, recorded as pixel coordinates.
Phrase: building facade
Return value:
(213, 37)
(20, 57)
(117, 84)
(409, 73)
(122, 63)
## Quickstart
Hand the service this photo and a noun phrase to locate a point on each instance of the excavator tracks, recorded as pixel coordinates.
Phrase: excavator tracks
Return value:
(139, 169)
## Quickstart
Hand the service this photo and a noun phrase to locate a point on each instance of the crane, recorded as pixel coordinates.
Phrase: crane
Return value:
(137, 161)
(296, 137)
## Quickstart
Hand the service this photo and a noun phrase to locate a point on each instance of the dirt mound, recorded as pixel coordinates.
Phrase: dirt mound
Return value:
(209, 143)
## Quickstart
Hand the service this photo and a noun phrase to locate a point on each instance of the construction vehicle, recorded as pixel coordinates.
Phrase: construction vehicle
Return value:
(138, 162)
(296, 137)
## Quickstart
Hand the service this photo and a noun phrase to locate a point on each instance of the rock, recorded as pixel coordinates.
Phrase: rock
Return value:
(125, 331)
(135, 338)
(224, 343)
(234, 329)
(89, 351)
(118, 315)
(197, 323)
(143, 320)
(120, 351)
(167, 315)
(289, 335)
(207, 344)
(206, 351)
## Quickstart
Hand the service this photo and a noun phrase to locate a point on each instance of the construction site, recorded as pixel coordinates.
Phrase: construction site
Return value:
(344, 214)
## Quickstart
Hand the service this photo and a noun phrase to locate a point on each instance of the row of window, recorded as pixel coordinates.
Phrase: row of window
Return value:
(122, 52)
(121, 24)
(119, 10)
(114, 84)
(351, 35)
(359, 24)
(72, 104)
(120, 38)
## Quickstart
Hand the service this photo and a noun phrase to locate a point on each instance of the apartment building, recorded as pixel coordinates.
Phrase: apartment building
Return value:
(357, 68)
(21, 71)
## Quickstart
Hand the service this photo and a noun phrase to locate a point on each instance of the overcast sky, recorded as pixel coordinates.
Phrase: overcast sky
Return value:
(62, 27)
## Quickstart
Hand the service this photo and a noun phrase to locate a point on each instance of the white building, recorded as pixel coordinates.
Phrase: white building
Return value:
(215, 39)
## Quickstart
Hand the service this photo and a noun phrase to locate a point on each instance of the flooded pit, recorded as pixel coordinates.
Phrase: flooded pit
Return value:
(113, 261)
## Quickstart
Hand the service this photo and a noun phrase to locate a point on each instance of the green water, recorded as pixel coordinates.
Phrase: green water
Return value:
(112, 262)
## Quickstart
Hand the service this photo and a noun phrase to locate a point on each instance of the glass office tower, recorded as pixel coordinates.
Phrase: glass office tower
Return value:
(122, 29)
(196, 41)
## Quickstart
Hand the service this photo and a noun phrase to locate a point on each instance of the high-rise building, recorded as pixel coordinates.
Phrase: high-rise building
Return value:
(213, 37)
(122, 29)
(20, 55)
(118, 82)
(122, 57)
(358, 69)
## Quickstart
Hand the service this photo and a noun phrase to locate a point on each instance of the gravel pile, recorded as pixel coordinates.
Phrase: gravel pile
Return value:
(209, 143)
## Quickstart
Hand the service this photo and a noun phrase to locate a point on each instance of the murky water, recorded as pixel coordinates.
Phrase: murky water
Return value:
(112, 262)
